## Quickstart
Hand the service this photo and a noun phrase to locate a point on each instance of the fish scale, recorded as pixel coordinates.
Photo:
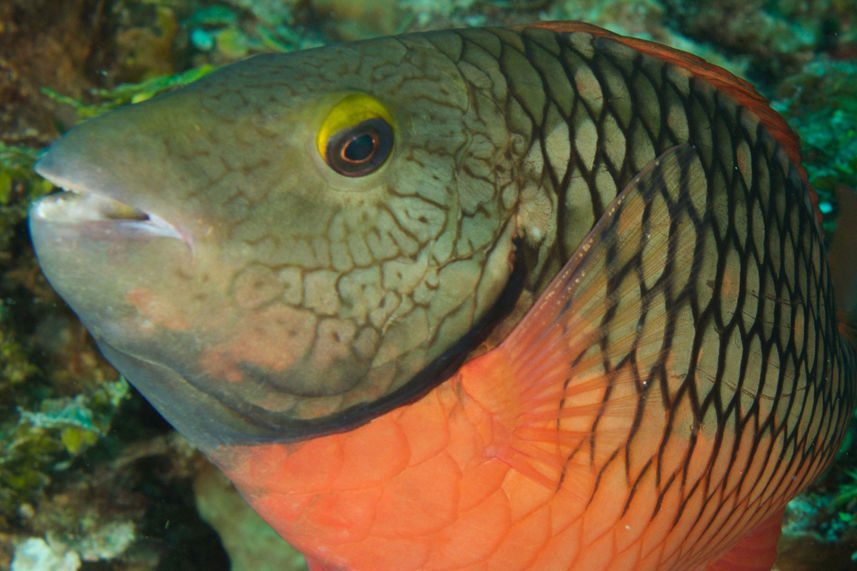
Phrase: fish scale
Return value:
(608, 108)
(707, 109)
(579, 318)
(729, 332)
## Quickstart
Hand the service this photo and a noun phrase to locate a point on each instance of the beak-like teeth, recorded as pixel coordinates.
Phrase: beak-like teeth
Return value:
(69, 207)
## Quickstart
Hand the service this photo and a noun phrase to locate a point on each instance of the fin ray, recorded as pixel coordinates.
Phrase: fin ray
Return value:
(573, 366)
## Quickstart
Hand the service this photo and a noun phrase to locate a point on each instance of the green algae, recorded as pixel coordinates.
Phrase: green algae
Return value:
(18, 186)
(820, 103)
(81, 420)
(127, 93)
(41, 440)
(44, 441)
(15, 366)
(16, 170)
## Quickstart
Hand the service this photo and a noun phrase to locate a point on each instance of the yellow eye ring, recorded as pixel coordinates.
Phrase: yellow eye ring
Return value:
(356, 137)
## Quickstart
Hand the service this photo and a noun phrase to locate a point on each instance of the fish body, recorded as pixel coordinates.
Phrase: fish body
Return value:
(542, 297)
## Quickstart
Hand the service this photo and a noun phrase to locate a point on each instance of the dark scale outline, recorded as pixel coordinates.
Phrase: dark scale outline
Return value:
(664, 284)
(615, 279)
(705, 108)
(766, 431)
(737, 321)
(596, 203)
(688, 389)
(534, 52)
(531, 55)
(517, 98)
(573, 167)
(644, 67)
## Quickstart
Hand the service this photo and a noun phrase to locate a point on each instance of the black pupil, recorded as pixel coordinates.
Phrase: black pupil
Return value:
(360, 148)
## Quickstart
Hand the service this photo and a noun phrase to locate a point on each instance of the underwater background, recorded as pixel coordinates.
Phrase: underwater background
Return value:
(91, 477)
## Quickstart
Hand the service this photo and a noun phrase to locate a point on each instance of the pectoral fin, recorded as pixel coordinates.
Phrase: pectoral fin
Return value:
(568, 385)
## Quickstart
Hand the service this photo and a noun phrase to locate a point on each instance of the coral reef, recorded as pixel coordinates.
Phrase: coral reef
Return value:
(821, 104)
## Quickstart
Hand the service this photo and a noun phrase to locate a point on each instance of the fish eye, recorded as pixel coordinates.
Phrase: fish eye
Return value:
(356, 137)
(361, 149)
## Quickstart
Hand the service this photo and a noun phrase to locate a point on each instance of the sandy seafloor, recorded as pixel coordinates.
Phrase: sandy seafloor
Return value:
(90, 476)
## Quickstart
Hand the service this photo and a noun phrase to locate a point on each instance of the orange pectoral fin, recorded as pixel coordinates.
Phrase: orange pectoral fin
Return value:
(756, 551)
(570, 381)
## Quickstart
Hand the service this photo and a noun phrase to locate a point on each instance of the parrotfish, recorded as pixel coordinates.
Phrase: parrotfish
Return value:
(530, 298)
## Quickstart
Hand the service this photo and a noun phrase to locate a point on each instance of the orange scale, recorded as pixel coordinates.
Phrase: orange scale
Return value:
(344, 516)
(628, 558)
(472, 537)
(426, 427)
(374, 553)
(522, 542)
(639, 514)
(287, 468)
(598, 555)
(562, 549)
(282, 511)
(371, 455)
(479, 481)
(420, 500)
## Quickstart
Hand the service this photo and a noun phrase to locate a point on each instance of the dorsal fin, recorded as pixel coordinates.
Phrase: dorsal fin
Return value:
(741, 90)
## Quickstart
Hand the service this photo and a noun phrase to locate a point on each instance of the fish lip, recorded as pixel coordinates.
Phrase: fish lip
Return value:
(78, 205)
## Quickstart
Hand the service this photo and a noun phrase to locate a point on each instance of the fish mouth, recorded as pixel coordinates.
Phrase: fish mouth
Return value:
(75, 208)
(97, 211)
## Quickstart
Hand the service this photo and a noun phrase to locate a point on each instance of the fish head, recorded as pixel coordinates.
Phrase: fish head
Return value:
(274, 250)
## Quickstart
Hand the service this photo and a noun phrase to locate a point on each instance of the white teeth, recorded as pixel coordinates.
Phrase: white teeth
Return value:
(73, 208)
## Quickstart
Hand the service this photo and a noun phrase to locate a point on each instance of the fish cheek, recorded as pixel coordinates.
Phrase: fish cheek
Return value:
(275, 336)
(278, 360)
(290, 350)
